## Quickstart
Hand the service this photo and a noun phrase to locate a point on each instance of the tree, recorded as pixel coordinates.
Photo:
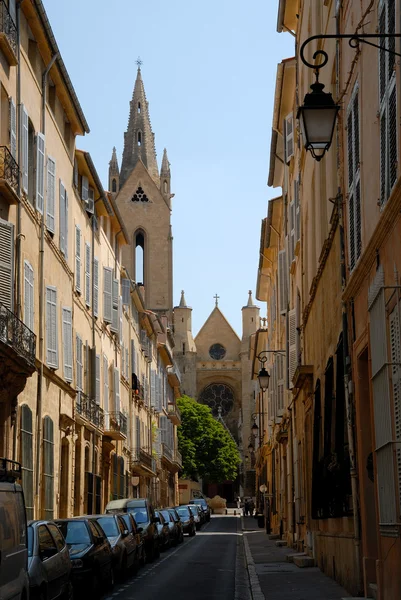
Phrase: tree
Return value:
(208, 450)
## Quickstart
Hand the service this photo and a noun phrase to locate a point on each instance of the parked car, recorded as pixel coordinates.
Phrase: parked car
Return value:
(145, 517)
(14, 580)
(123, 544)
(187, 520)
(49, 563)
(90, 553)
(174, 530)
(176, 518)
(197, 514)
(133, 528)
(163, 531)
(204, 506)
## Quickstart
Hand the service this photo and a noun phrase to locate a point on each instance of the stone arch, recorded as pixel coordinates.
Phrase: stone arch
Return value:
(141, 255)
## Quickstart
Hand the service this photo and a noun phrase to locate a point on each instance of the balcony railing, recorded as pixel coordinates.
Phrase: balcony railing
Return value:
(167, 452)
(87, 408)
(174, 413)
(9, 29)
(140, 456)
(15, 334)
(178, 458)
(115, 425)
(9, 174)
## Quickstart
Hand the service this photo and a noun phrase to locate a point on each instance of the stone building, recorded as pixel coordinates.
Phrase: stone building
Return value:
(216, 370)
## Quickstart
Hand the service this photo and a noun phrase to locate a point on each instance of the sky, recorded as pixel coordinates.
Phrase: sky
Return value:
(209, 72)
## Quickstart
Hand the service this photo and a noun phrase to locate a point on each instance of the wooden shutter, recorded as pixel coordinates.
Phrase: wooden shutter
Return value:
(163, 428)
(62, 209)
(125, 289)
(96, 287)
(51, 327)
(40, 171)
(116, 389)
(77, 258)
(6, 264)
(395, 348)
(133, 357)
(67, 343)
(127, 363)
(138, 433)
(292, 240)
(87, 274)
(107, 294)
(85, 188)
(354, 186)
(280, 384)
(13, 11)
(114, 312)
(51, 195)
(97, 375)
(289, 137)
(105, 384)
(75, 174)
(297, 212)
(120, 318)
(283, 278)
(122, 360)
(292, 346)
(79, 363)
(152, 388)
(13, 129)
(24, 148)
(28, 296)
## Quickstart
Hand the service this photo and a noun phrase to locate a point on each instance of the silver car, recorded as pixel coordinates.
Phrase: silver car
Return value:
(197, 514)
(49, 563)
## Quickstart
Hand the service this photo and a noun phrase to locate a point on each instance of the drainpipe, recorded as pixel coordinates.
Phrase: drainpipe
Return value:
(39, 391)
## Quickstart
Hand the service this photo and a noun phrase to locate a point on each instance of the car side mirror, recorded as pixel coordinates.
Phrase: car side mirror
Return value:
(156, 520)
(47, 553)
(125, 532)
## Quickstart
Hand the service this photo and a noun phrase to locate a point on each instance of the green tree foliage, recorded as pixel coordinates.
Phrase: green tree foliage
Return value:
(208, 450)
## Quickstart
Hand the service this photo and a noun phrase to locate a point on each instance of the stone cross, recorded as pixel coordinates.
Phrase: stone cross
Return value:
(216, 297)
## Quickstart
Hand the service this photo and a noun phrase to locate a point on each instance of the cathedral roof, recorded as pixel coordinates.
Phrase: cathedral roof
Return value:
(215, 316)
(139, 139)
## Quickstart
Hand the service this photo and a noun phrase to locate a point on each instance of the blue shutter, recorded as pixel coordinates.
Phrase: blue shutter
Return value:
(40, 171)
(67, 343)
(51, 195)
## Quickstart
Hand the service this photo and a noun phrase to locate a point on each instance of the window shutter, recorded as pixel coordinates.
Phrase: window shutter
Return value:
(126, 288)
(133, 357)
(126, 364)
(13, 129)
(120, 318)
(77, 258)
(105, 384)
(7, 264)
(289, 137)
(122, 360)
(40, 171)
(354, 186)
(116, 389)
(51, 195)
(13, 11)
(97, 371)
(138, 433)
(280, 384)
(80, 365)
(24, 149)
(28, 296)
(67, 343)
(51, 327)
(152, 388)
(114, 313)
(163, 427)
(107, 294)
(85, 188)
(395, 347)
(87, 274)
(282, 267)
(297, 212)
(75, 174)
(392, 134)
(96, 287)
(292, 346)
(292, 241)
(62, 218)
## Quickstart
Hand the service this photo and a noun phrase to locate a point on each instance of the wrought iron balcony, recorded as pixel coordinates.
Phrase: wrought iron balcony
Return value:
(167, 453)
(9, 174)
(115, 425)
(143, 461)
(174, 414)
(17, 336)
(178, 459)
(89, 410)
(8, 35)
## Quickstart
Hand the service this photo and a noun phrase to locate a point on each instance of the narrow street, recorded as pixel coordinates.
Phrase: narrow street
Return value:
(201, 567)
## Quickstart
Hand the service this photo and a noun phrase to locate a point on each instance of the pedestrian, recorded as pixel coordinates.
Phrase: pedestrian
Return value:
(251, 507)
(238, 502)
(246, 508)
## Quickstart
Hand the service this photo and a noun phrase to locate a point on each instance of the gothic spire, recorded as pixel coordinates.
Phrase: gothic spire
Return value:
(165, 169)
(113, 164)
(139, 139)
(183, 303)
(114, 175)
(250, 301)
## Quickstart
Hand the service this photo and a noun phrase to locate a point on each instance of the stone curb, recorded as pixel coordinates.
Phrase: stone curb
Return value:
(242, 589)
(256, 590)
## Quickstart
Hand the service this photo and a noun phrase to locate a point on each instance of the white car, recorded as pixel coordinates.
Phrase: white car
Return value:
(196, 511)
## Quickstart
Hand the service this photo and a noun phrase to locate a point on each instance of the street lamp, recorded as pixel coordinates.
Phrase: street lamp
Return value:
(264, 378)
(317, 116)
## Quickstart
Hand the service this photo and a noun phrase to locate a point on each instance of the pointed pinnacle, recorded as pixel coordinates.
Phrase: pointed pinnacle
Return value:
(165, 168)
(250, 301)
(183, 303)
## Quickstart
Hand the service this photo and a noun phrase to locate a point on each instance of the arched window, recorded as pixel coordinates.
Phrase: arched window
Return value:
(139, 138)
(165, 186)
(218, 396)
(27, 458)
(139, 258)
(139, 108)
(48, 469)
(114, 185)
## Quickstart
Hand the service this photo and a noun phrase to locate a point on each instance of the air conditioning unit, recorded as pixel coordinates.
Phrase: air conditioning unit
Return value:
(90, 202)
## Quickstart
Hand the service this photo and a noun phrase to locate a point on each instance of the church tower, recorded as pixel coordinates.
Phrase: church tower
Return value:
(185, 349)
(144, 201)
(114, 173)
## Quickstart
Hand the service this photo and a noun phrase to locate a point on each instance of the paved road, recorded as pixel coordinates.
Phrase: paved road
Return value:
(203, 567)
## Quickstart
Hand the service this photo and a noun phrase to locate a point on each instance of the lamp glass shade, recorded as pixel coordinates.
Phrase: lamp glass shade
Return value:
(264, 378)
(255, 428)
(317, 126)
(250, 447)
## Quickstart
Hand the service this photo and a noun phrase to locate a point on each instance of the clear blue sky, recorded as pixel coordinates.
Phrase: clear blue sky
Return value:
(209, 71)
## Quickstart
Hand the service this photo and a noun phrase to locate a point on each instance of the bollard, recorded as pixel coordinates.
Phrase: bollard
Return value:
(235, 512)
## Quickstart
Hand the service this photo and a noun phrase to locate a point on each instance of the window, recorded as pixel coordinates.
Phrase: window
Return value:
(116, 389)
(283, 280)
(216, 351)
(60, 543)
(218, 396)
(48, 468)
(28, 296)
(80, 364)
(354, 183)
(289, 137)
(139, 258)
(114, 186)
(7, 264)
(77, 258)
(388, 102)
(96, 287)
(45, 539)
(87, 274)
(24, 148)
(51, 327)
(114, 311)
(97, 375)
(63, 220)
(105, 385)
(13, 129)
(27, 458)
(107, 294)
(51, 195)
(140, 196)
(139, 108)
(139, 138)
(40, 171)
(67, 343)
(85, 188)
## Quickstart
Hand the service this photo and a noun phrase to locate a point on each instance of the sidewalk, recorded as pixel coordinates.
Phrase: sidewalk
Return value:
(273, 578)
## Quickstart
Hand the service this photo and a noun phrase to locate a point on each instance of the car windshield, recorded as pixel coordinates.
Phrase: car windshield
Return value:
(109, 526)
(194, 510)
(75, 532)
(183, 512)
(141, 515)
(30, 541)
(166, 515)
(127, 520)
(200, 502)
